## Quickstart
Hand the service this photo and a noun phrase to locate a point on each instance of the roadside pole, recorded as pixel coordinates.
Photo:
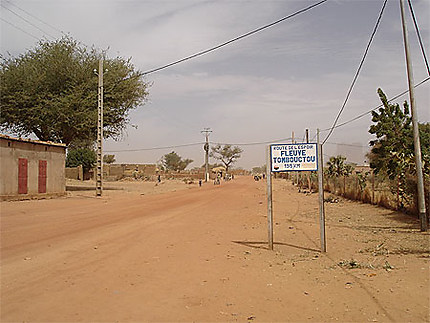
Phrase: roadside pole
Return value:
(321, 194)
(269, 199)
(207, 131)
(99, 171)
(417, 147)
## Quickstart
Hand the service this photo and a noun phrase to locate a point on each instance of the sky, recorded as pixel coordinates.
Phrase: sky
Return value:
(287, 78)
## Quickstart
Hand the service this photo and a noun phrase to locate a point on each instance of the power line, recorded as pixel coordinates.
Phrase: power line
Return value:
(254, 143)
(349, 145)
(358, 71)
(198, 143)
(234, 39)
(379, 106)
(155, 148)
(31, 15)
(20, 29)
(27, 21)
(419, 36)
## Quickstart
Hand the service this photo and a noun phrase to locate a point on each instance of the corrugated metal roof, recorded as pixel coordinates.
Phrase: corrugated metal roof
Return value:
(48, 143)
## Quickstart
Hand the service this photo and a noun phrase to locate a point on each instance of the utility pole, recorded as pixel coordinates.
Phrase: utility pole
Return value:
(206, 131)
(417, 147)
(321, 193)
(99, 178)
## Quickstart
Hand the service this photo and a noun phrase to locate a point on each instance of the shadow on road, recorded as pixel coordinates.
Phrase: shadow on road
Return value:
(263, 245)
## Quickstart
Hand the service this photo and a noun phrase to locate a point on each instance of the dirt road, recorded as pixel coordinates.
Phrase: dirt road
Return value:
(200, 254)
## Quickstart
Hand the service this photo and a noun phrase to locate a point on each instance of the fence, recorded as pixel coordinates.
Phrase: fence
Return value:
(367, 188)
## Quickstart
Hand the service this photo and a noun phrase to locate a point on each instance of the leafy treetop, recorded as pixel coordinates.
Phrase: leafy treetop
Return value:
(173, 162)
(51, 91)
(227, 154)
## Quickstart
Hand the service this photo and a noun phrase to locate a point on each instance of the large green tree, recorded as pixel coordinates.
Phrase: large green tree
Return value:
(173, 162)
(393, 149)
(51, 91)
(81, 156)
(227, 154)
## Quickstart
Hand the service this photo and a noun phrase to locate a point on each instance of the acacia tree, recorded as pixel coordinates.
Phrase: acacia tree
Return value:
(51, 91)
(227, 154)
(172, 161)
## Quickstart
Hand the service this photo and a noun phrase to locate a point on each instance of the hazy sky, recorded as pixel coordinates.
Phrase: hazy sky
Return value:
(292, 76)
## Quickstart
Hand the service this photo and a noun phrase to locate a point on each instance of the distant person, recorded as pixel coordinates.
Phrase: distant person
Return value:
(200, 182)
(159, 178)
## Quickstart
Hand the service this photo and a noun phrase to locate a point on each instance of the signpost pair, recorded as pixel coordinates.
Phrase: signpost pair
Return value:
(295, 157)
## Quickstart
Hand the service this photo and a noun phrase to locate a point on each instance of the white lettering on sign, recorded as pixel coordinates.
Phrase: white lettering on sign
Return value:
(293, 157)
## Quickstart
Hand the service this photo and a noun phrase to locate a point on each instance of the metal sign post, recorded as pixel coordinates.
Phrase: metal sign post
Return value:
(269, 198)
(294, 157)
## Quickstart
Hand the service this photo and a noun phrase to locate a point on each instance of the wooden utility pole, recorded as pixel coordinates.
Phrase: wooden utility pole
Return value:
(417, 147)
(206, 131)
(321, 193)
(99, 184)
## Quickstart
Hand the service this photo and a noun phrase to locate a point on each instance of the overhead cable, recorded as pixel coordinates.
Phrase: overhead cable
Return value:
(199, 143)
(253, 143)
(357, 72)
(277, 140)
(33, 16)
(419, 36)
(234, 39)
(155, 148)
(19, 28)
(27, 21)
(379, 106)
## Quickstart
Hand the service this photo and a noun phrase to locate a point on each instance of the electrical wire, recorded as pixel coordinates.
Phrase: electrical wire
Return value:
(27, 21)
(349, 145)
(253, 143)
(379, 106)
(20, 29)
(155, 148)
(199, 143)
(357, 72)
(234, 39)
(31, 15)
(419, 36)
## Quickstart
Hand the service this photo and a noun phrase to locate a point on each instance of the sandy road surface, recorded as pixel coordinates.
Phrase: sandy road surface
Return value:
(199, 254)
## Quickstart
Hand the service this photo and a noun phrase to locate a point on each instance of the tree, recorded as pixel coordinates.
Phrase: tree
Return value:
(393, 131)
(337, 167)
(173, 162)
(392, 152)
(109, 159)
(51, 91)
(227, 154)
(81, 156)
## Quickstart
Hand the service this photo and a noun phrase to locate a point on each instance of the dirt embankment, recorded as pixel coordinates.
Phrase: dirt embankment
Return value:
(189, 253)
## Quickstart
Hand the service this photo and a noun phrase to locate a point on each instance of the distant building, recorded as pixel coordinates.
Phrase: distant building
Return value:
(31, 168)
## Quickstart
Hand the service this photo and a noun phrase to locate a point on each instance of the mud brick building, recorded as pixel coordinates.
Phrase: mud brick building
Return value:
(31, 168)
